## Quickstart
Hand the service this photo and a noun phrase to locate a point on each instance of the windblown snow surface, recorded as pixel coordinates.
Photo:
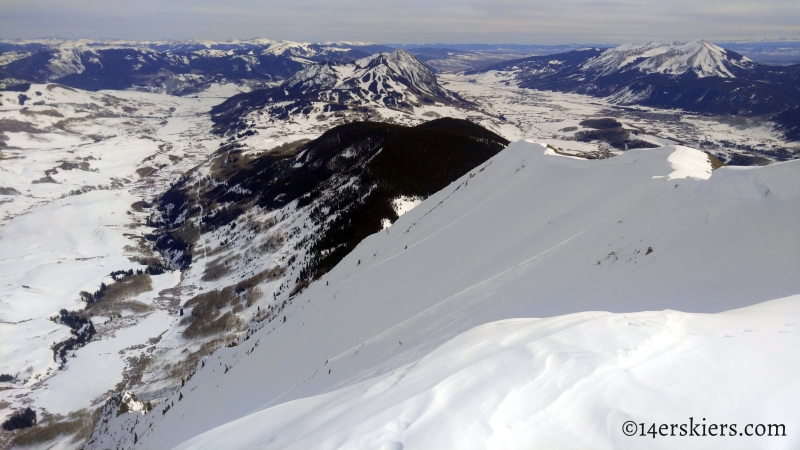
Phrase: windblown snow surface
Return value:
(501, 312)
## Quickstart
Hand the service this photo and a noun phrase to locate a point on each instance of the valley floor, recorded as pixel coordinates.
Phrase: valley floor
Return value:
(81, 169)
(553, 118)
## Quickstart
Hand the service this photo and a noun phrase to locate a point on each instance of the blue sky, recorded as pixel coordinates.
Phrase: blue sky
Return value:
(405, 21)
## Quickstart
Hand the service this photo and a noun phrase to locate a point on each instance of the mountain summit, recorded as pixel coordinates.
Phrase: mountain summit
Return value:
(395, 80)
(695, 76)
(700, 58)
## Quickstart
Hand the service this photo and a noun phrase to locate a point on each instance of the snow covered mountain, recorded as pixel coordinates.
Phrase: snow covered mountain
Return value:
(173, 67)
(696, 76)
(701, 58)
(394, 80)
(380, 75)
(319, 199)
(327, 51)
(83, 169)
(407, 342)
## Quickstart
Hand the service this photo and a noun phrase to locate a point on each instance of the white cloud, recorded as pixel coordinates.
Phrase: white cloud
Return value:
(408, 21)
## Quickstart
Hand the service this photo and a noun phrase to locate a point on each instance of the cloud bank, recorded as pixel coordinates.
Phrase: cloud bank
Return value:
(404, 21)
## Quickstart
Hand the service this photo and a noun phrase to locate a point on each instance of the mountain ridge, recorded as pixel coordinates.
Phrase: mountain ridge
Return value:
(180, 67)
(696, 76)
(700, 58)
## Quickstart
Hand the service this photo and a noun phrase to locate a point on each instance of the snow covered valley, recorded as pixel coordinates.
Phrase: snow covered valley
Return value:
(539, 300)
(76, 171)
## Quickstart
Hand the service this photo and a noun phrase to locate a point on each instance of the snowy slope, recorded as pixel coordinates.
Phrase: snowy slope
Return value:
(529, 234)
(566, 382)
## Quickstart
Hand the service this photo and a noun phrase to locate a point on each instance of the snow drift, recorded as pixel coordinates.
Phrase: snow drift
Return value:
(566, 382)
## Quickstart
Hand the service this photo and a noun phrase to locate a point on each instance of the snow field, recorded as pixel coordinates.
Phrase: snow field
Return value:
(44, 267)
(98, 367)
(564, 382)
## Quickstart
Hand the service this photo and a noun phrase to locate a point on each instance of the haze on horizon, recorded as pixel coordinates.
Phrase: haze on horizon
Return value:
(405, 22)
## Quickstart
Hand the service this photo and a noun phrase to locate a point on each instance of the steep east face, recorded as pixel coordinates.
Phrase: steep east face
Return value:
(696, 76)
(349, 183)
(252, 231)
(394, 80)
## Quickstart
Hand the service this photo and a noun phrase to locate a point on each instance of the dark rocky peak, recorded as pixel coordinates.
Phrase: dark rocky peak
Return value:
(339, 188)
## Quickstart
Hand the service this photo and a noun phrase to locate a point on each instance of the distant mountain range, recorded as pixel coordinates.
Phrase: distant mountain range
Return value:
(695, 76)
(767, 52)
(179, 67)
(183, 67)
